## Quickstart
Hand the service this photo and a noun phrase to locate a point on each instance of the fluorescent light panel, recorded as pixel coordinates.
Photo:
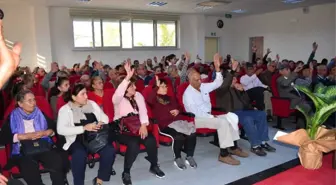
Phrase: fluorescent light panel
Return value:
(238, 11)
(292, 1)
(157, 4)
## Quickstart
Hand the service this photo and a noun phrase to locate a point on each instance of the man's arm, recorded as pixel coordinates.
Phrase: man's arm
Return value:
(286, 82)
(209, 87)
(226, 82)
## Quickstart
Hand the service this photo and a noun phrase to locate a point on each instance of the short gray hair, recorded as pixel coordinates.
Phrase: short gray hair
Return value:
(21, 95)
(171, 68)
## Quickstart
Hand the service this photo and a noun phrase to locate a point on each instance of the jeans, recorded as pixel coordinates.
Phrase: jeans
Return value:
(78, 162)
(255, 125)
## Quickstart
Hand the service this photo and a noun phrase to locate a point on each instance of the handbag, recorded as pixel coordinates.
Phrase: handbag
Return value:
(96, 141)
(32, 147)
(130, 124)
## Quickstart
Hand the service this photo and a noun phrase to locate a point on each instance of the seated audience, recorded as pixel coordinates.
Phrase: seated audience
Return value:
(305, 78)
(174, 77)
(126, 100)
(113, 80)
(57, 93)
(27, 126)
(232, 97)
(97, 92)
(322, 76)
(166, 111)
(85, 79)
(196, 99)
(77, 117)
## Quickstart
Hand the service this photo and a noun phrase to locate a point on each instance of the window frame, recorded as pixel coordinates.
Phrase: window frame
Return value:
(120, 48)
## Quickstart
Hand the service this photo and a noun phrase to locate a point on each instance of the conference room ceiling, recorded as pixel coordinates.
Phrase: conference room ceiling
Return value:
(244, 7)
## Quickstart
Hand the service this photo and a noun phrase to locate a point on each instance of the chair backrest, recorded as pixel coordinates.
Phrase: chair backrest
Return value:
(74, 79)
(108, 106)
(180, 90)
(38, 90)
(60, 102)
(108, 85)
(274, 85)
(140, 85)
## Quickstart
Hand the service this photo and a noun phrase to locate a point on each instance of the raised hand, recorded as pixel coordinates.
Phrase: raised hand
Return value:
(157, 80)
(129, 71)
(234, 64)
(187, 56)
(9, 59)
(315, 46)
(217, 61)
(268, 51)
(278, 57)
(155, 59)
(88, 57)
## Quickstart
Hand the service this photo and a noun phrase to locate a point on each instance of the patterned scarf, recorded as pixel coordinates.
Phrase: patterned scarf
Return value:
(133, 102)
(17, 124)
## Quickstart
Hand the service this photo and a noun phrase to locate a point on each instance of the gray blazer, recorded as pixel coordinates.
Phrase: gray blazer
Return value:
(286, 89)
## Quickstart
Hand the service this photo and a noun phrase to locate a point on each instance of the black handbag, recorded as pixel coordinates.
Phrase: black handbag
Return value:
(32, 147)
(96, 141)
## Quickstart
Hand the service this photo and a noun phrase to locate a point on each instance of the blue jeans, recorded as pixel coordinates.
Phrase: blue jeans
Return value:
(255, 125)
(78, 162)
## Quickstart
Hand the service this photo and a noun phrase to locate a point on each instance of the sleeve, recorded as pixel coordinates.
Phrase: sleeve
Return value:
(142, 108)
(254, 57)
(287, 82)
(175, 104)
(120, 91)
(311, 56)
(46, 79)
(226, 83)
(209, 87)
(190, 106)
(184, 71)
(152, 96)
(246, 80)
(102, 117)
(64, 126)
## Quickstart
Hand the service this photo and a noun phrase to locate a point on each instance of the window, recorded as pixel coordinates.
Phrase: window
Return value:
(143, 33)
(83, 33)
(124, 34)
(166, 34)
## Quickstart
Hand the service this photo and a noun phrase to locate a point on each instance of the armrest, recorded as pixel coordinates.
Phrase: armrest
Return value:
(281, 98)
(188, 114)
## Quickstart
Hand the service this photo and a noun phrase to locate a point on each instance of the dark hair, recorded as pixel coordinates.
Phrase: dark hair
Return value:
(169, 57)
(136, 61)
(161, 81)
(54, 91)
(118, 67)
(75, 65)
(17, 88)
(73, 92)
(324, 61)
(20, 95)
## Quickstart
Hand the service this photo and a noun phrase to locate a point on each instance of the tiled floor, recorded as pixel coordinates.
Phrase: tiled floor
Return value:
(209, 171)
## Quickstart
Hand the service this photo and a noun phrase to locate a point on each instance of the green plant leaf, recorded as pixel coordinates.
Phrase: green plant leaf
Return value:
(319, 89)
(306, 115)
(318, 102)
(322, 114)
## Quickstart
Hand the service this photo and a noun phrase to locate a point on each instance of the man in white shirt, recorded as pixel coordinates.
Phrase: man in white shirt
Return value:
(196, 100)
(253, 86)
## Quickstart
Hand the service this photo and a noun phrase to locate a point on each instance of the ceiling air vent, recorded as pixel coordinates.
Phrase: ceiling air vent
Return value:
(214, 3)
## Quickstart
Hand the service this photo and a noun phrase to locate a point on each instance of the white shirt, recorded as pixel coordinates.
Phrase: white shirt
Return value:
(250, 82)
(198, 102)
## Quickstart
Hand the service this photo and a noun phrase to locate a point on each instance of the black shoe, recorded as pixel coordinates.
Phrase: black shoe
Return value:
(258, 151)
(126, 178)
(269, 118)
(94, 182)
(157, 172)
(267, 147)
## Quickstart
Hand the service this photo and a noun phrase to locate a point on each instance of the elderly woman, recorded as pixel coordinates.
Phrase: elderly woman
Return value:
(167, 112)
(29, 131)
(97, 93)
(127, 101)
(78, 117)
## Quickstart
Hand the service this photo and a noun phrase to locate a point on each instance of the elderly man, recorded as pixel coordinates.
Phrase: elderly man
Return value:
(85, 79)
(113, 82)
(231, 96)
(141, 71)
(196, 99)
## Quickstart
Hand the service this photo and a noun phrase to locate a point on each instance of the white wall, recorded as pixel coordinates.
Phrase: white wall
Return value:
(191, 39)
(288, 33)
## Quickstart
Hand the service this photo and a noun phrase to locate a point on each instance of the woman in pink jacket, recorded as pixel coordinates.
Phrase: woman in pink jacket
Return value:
(127, 101)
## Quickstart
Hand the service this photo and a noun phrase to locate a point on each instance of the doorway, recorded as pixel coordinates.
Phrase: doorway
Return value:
(257, 42)
(211, 48)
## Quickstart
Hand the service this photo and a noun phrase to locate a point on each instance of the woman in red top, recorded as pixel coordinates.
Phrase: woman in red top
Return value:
(97, 92)
(62, 85)
(167, 112)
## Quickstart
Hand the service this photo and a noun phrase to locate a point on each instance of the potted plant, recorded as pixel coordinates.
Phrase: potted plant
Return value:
(315, 139)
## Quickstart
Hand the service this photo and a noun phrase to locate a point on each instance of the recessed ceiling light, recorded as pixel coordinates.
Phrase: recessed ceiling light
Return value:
(84, 1)
(238, 11)
(156, 4)
(292, 1)
(203, 8)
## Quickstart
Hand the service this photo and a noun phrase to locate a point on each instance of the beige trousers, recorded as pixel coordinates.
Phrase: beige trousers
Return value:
(267, 101)
(226, 125)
